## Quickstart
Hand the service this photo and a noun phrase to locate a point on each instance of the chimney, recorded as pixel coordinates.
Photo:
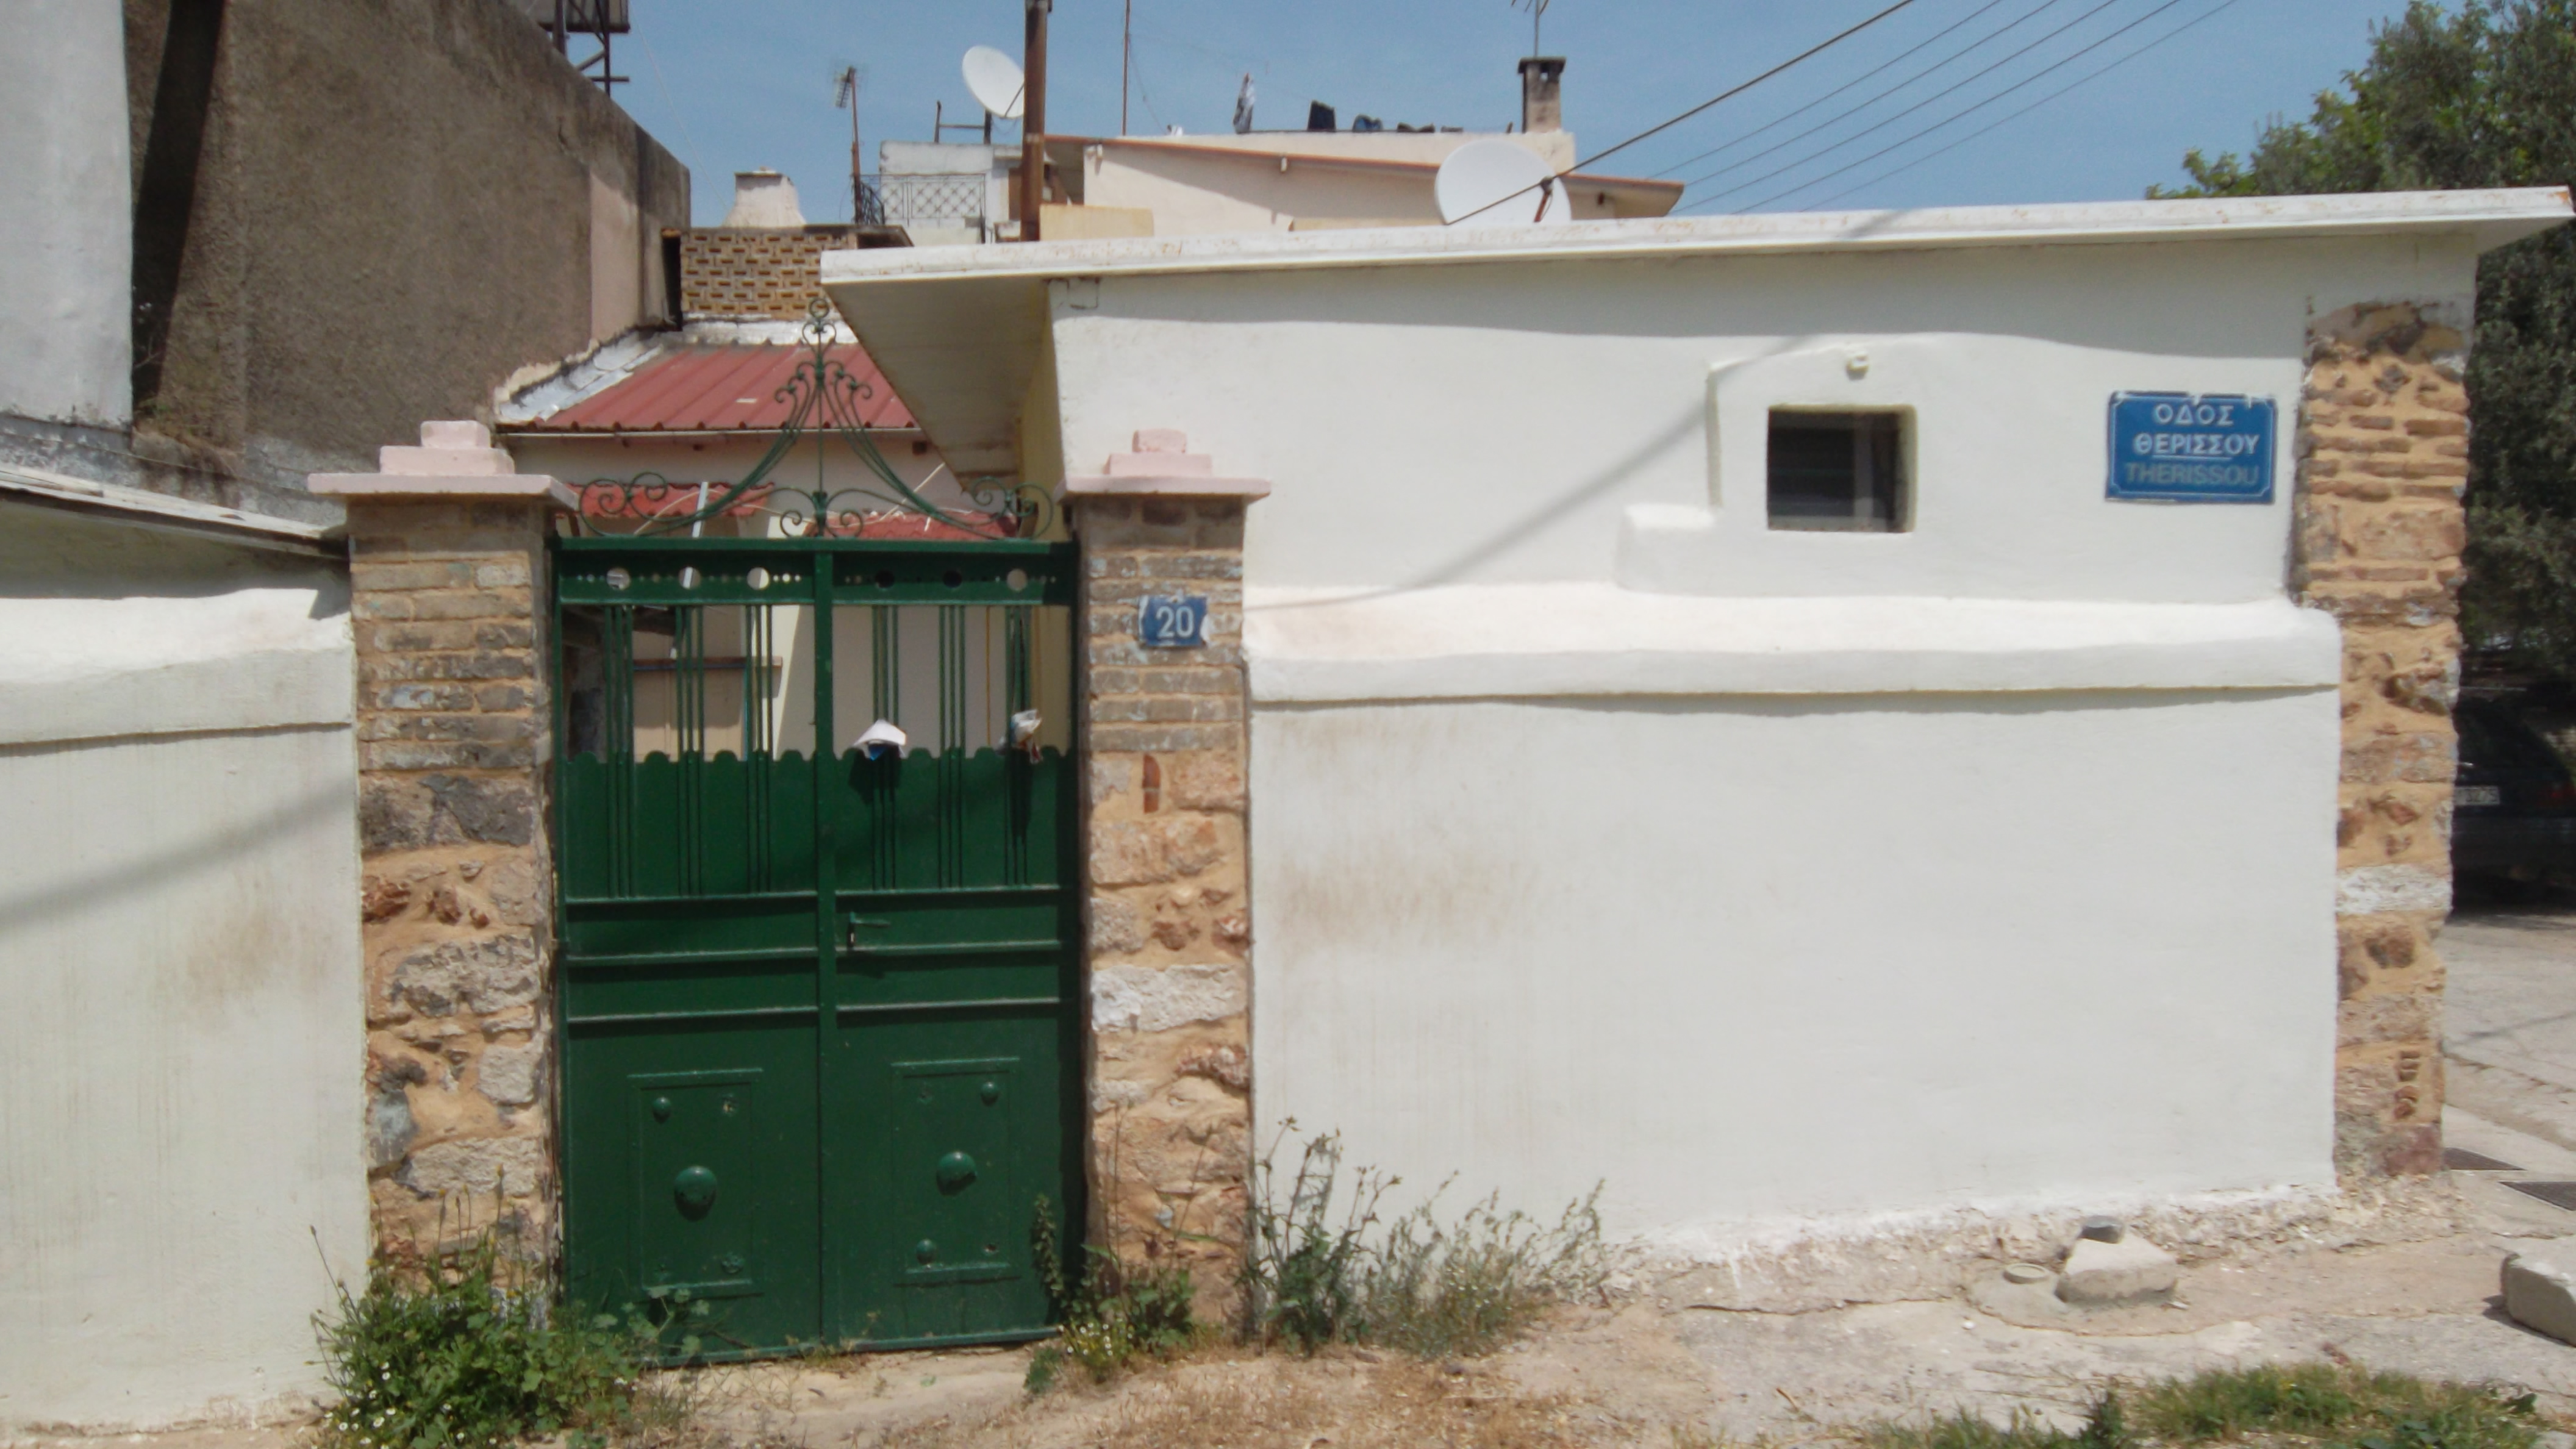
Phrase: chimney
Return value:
(764, 200)
(1540, 109)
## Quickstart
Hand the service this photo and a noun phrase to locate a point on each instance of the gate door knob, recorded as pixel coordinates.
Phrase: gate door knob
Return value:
(694, 1189)
(956, 1170)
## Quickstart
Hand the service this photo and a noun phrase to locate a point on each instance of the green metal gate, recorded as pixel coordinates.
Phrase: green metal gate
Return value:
(818, 1006)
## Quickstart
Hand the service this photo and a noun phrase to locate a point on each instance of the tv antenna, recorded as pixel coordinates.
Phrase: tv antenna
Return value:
(1537, 9)
(1486, 173)
(866, 209)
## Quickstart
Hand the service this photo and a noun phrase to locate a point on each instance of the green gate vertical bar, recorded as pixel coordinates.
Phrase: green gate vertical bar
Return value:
(954, 746)
(689, 739)
(757, 671)
(617, 728)
(827, 943)
(885, 661)
(1019, 695)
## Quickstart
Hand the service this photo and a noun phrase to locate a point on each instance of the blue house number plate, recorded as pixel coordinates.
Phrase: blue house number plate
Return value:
(2177, 448)
(1172, 622)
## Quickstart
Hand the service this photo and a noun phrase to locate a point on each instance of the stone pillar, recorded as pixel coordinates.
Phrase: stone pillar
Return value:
(447, 564)
(1169, 922)
(2383, 457)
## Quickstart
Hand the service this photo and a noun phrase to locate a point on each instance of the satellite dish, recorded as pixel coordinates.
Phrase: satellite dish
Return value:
(1481, 174)
(995, 81)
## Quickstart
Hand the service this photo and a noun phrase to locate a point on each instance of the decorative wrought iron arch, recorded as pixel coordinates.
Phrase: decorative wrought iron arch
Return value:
(823, 398)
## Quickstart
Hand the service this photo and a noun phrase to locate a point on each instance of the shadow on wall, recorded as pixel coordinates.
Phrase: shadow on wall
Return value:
(2001, 291)
(1691, 423)
(226, 846)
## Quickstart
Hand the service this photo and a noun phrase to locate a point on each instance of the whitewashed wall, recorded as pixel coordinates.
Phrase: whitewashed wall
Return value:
(181, 1068)
(1600, 833)
(66, 227)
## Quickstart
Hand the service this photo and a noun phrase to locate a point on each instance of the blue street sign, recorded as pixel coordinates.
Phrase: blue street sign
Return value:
(1172, 622)
(2178, 448)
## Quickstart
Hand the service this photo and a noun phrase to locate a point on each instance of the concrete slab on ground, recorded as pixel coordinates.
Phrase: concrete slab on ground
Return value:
(2509, 1018)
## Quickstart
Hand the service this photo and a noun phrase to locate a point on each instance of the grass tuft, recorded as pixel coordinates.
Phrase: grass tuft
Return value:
(2325, 1405)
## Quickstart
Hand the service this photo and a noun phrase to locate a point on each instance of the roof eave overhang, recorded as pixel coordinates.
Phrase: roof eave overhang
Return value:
(960, 330)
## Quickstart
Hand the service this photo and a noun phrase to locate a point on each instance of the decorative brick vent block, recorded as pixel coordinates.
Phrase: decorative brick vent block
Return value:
(1169, 922)
(2383, 457)
(755, 275)
(447, 552)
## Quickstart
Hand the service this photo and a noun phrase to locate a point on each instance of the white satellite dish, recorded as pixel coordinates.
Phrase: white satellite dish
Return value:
(995, 81)
(1481, 174)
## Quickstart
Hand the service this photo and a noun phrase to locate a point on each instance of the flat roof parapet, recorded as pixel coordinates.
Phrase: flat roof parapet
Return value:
(2494, 217)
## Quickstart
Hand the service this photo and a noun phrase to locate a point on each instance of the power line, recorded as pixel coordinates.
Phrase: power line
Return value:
(1727, 94)
(1829, 95)
(2035, 105)
(1838, 90)
(1970, 111)
(1949, 89)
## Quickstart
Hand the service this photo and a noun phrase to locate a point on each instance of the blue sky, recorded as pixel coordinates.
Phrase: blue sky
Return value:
(733, 84)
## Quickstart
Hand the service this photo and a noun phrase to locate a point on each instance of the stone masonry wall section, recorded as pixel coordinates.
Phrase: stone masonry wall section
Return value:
(2383, 459)
(452, 728)
(1169, 923)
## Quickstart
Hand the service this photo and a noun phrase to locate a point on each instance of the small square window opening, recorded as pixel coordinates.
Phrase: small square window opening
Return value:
(1838, 472)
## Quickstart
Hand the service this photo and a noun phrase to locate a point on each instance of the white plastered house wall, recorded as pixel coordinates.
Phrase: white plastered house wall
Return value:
(182, 1167)
(1601, 833)
(1284, 181)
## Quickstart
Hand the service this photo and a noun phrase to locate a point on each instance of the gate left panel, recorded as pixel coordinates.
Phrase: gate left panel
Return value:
(689, 950)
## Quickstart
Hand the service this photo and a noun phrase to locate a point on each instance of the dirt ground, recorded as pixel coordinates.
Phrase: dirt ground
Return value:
(1647, 1375)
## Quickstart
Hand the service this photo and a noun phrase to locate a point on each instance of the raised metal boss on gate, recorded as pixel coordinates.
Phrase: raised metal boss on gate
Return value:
(2177, 448)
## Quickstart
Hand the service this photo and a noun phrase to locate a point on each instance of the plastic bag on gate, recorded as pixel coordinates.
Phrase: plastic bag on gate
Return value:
(880, 740)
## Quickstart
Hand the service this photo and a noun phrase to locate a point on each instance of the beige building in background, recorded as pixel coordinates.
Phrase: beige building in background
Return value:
(1255, 181)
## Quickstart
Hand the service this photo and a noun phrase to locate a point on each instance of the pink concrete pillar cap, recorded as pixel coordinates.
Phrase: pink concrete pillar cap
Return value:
(1162, 466)
(454, 460)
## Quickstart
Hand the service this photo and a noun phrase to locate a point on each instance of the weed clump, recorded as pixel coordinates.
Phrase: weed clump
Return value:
(1112, 1311)
(1315, 1274)
(466, 1353)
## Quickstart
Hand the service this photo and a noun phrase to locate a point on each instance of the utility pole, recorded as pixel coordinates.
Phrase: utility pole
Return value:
(1033, 120)
(1126, 57)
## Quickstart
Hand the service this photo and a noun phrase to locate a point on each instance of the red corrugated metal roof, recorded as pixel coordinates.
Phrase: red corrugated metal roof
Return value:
(719, 388)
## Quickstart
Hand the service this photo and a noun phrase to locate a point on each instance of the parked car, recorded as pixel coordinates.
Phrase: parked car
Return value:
(2514, 807)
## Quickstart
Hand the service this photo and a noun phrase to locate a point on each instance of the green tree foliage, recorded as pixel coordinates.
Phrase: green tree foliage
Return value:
(2484, 96)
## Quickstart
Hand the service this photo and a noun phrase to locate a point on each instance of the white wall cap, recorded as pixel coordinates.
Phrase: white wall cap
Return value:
(246, 659)
(1591, 639)
(422, 487)
(2494, 217)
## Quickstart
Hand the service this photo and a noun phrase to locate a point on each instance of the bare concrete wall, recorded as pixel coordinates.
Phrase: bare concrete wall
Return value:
(399, 204)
